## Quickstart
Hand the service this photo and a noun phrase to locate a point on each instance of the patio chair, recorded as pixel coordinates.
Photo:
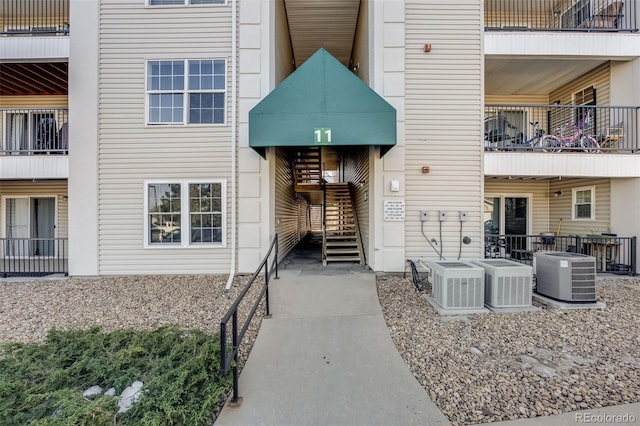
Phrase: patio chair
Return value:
(612, 137)
(607, 18)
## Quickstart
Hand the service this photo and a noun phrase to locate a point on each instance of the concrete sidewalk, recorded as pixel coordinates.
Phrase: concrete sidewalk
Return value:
(326, 358)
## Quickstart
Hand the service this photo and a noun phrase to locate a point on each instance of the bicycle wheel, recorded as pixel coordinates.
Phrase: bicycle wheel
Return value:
(589, 144)
(547, 143)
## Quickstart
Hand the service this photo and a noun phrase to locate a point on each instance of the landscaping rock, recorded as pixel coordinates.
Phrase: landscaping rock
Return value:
(129, 396)
(92, 392)
(501, 366)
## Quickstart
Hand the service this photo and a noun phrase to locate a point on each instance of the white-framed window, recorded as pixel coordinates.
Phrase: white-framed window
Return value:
(583, 202)
(186, 91)
(182, 2)
(185, 213)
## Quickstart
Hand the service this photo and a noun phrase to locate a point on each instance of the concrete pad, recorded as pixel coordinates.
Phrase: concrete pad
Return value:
(552, 303)
(445, 311)
(326, 358)
(307, 296)
(512, 309)
(619, 414)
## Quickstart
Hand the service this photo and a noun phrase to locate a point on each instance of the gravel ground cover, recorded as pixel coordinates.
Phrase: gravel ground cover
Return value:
(29, 309)
(491, 367)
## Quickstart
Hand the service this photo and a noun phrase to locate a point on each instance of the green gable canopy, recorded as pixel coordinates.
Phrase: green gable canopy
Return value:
(322, 103)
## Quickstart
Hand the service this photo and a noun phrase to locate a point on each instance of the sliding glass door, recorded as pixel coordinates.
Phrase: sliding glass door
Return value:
(508, 215)
(30, 226)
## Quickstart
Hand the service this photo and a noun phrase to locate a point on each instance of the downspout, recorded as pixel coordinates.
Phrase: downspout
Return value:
(234, 56)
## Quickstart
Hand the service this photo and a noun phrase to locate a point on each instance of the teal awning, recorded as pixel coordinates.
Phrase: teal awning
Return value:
(322, 103)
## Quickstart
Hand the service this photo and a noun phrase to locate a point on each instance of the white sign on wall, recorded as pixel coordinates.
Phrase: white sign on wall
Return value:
(393, 210)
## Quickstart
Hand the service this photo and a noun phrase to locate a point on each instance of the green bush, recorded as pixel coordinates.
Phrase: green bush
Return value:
(42, 384)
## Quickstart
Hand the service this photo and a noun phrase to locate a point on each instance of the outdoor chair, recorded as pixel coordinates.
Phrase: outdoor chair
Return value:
(607, 18)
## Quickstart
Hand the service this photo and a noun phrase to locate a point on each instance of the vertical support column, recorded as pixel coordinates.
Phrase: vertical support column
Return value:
(387, 49)
(83, 138)
(253, 177)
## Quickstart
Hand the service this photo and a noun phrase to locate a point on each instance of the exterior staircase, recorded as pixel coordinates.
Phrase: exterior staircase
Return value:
(341, 237)
(307, 169)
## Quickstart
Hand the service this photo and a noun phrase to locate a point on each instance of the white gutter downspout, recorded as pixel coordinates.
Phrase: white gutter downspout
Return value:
(234, 58)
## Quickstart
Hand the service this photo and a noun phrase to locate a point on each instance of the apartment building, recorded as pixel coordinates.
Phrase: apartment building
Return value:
(182, 136)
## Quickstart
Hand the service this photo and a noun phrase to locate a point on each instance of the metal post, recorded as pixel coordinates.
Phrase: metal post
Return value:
(276, 258)
(634, 247)
(235, 357)
(266, 283)
(223, 347)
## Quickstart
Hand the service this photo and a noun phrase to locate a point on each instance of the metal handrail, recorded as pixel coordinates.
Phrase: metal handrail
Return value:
(230, 361)
(32, 131)
(33, 256)
(34, 17)
(514, 127)
(612, 253)
(560, 15)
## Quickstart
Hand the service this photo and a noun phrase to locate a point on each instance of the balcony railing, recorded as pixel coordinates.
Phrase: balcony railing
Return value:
(576, 128)
(560, 15)
(33, 256)
(34, 131)
(613, 254)
(35, 17)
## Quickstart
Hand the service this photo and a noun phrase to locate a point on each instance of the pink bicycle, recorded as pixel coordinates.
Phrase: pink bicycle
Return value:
(578, 140)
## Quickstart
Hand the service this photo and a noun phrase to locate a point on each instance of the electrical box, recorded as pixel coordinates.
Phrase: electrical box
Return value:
(463, 216)
(424, 215)
(441, 215)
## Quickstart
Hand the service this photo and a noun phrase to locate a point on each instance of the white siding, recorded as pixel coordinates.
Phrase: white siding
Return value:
(287, 210)
(443, 123)
(560, 207)
(598, 78)
(283, 52)
(130, 152)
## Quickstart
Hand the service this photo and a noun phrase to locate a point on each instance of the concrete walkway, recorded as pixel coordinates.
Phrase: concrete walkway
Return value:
(326, 358)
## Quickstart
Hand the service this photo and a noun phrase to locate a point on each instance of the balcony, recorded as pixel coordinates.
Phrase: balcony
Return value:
(561, 15)
(613, 254)
(587, 129)
(35, 17)
(32, 257)
(34, 143)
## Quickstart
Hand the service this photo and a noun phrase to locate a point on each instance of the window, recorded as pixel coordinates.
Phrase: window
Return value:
(583, 201)
(185, 213)
(191, 92)
(183, 2)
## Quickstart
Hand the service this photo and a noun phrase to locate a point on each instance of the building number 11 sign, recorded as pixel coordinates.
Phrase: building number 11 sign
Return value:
(322, 136)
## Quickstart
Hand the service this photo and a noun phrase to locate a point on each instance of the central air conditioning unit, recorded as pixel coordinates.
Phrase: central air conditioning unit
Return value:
(457, 284)
(507, 284)
(565, 276)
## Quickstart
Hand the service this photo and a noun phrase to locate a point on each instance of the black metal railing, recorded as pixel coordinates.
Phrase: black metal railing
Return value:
(560, 15)
(33, 256)
(612, 253)
(29, 131)
(229, 357)
(35, 17)
(518, 127)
